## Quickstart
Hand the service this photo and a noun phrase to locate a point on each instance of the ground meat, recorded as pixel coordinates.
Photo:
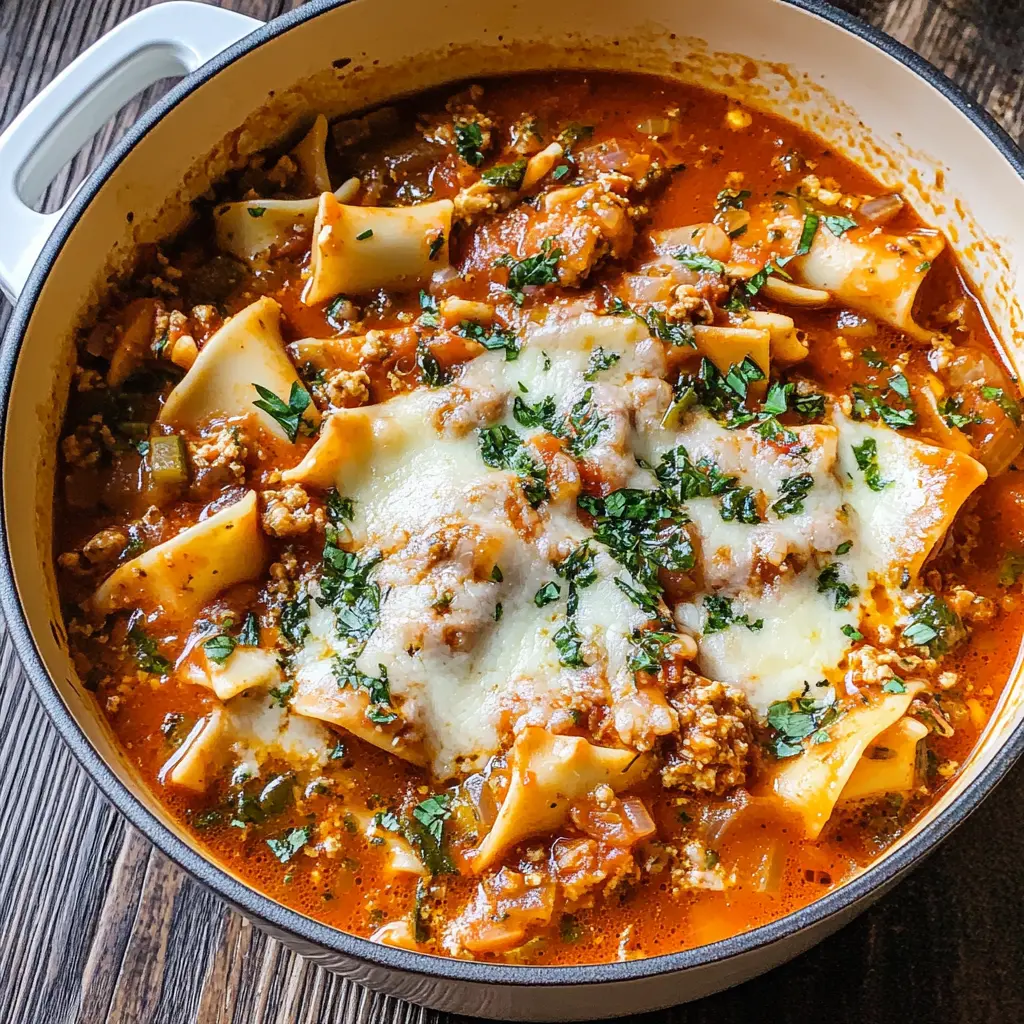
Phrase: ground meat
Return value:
(699, 868)
(344, 389)
(473, 202)
(85, 446)
(583, 866)
(282, 576)
(716, 745)
(105, 547)
(286, 512)
(873, 666)
(219, 461)
(688, 304)
(971, 607)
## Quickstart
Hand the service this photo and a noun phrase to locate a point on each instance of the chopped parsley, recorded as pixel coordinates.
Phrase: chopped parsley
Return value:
(894, 685)
(434, 375)
(540, 414)
(492, 338)
(720, 616)
(795, 720)
(647, 649)
(600, 360)
(363, 235)
(742, 375)
(950, 412)
(583, 427)
(147, 652)
(502, 448)
(694, 259)
(506, 175)
(578, 569)
(294, 620)
(1009, 406)
(1012, 568)
(829, 582)
(852, 632)
(279, 695)
(679, 334)
(838, 225)
(574, 132)
(843, 548)
(644, 531)
(436, 245)
(867, 404)
(866, 454)
(873, 358)
(469, 140)
(933, 624)
(570, 646)
(289, 415)
(899, 383)
(532, 271)
(290, 843)
(378, 688)
(345, 585)
(249, 634)
(219, 648)
(256, 211)
(740, 504)
(333, 308)
(339, 510)
(683, 480)
(429, 317)
(792, 492)
(424, 831)
(547, 594)
(810, 229)
(432, 813)
(746, 290)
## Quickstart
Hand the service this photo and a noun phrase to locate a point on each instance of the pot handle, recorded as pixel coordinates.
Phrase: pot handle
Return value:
(166, 40)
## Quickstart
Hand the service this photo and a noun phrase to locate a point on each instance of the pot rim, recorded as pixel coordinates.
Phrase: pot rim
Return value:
(276, 916)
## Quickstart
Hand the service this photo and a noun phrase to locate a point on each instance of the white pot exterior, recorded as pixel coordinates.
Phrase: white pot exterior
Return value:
(961, 176)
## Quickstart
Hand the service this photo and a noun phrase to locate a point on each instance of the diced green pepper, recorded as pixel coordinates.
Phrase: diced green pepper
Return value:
(168, 461)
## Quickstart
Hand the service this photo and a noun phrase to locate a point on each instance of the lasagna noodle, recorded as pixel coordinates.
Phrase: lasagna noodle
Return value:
(246, 351)
(184, 573)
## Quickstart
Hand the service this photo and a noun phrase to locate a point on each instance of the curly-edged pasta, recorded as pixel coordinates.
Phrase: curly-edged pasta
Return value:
(357, 248)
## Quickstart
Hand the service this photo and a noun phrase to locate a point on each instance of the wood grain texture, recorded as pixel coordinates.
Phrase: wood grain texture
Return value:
(96, 926)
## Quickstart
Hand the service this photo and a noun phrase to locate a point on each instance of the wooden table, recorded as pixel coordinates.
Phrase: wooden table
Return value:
(97, 926)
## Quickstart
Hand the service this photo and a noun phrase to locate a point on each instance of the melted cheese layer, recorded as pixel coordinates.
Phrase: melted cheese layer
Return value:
(464, 675)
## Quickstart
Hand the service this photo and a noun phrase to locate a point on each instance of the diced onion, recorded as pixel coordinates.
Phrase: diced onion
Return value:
(639, 818)
(640, 288)
(655, 126)
(881, 209)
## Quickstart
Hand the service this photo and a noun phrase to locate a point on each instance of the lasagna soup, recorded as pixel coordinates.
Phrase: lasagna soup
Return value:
(556, 519)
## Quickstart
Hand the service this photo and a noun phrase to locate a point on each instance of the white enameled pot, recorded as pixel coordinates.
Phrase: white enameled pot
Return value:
(248, 85)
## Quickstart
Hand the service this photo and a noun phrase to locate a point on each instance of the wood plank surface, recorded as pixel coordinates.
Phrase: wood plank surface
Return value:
(96, 926)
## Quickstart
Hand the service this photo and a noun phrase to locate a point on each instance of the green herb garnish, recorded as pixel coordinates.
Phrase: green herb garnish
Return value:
(290, 843)
(866, 454)
(506, 175)
(829, 582)
(289, 415)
